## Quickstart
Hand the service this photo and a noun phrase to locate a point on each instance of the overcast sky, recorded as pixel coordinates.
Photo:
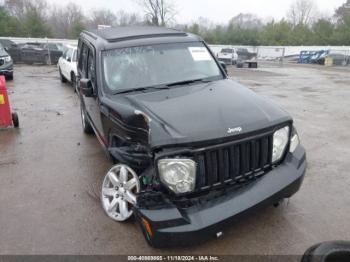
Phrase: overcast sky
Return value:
(219, 11)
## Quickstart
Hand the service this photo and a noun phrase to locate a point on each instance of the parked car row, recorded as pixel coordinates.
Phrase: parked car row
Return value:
(32, 52)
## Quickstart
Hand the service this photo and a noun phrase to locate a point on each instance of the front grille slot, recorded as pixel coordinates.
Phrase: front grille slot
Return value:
(233, 163)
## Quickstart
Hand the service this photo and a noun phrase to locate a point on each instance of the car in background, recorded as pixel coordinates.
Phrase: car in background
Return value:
(45, 53)
(228, 55)
(12, 49)
(67, 65)
(244, 54)
(338, 59)
(6, 64)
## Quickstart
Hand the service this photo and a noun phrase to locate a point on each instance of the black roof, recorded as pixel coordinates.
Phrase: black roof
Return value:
(126, 33)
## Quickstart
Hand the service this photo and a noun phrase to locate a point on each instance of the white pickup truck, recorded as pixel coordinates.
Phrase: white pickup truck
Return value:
(228, 55)
(240, 57)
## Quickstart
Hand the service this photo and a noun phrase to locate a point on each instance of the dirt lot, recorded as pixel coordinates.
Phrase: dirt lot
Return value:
(50, 172)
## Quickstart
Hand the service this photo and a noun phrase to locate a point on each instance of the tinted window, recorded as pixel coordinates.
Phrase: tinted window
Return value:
(227, 51)
(6, 42)
(91, 67)
(83, 60)
(75, 56)
(69, 54)
(64, 55)
(53, 46)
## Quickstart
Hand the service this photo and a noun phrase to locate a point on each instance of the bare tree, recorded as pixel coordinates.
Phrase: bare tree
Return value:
(158, 12)
(19, 8)
(64, 19)
(246, 21)
(343, 11)
(302, 12)
(124, 18)
(102, 17)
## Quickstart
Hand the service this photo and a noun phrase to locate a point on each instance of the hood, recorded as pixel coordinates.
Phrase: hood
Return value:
(215, 110)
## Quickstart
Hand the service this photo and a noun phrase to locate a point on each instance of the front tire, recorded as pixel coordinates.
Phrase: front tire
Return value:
(119, 192)
(87, 128)
(15, 120)
(9, 77)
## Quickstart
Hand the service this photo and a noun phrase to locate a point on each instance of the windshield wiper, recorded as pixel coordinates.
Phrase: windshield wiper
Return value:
(160, 87)
(187, 82)
(140, 89)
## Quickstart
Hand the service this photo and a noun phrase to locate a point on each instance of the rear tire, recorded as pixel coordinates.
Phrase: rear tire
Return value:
(15, 120)
(87, 128)
(62, 78)
(73, 81)
(9, 77)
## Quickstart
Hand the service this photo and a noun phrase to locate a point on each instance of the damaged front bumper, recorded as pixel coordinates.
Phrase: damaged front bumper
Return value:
(165, 223)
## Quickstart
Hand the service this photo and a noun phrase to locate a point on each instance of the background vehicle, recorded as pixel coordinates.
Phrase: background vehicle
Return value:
(246, 57)
(6, 64)
(194, 149)
(12, 48)
(67, 65)
(244, 54)
(45, 53)
(337, 59)
(228, 55)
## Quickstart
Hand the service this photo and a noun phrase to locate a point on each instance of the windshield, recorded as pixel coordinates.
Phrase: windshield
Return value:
(75, 56)
(2, 51)
(161, 64)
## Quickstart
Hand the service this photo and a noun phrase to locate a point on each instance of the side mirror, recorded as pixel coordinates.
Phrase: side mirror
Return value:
(68, 59)
(6, 48)
(86, 87)
(223, 65)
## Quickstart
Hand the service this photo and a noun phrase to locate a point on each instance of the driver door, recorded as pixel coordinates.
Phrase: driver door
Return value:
(92, 104)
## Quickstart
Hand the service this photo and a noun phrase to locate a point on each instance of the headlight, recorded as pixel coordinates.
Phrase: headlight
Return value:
(179, 175)
(294, 141)
(280, 141)
(8, 59)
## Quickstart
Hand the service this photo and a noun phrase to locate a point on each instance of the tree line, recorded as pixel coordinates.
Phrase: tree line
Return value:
(302, 25)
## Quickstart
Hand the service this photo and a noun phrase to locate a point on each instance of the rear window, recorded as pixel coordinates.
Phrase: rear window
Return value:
(53, 47)
(227, 50)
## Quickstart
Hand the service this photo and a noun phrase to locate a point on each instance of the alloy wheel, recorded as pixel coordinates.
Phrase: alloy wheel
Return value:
(119, 190)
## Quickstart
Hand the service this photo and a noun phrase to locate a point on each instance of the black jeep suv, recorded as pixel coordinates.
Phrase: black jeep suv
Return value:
(193, 149)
